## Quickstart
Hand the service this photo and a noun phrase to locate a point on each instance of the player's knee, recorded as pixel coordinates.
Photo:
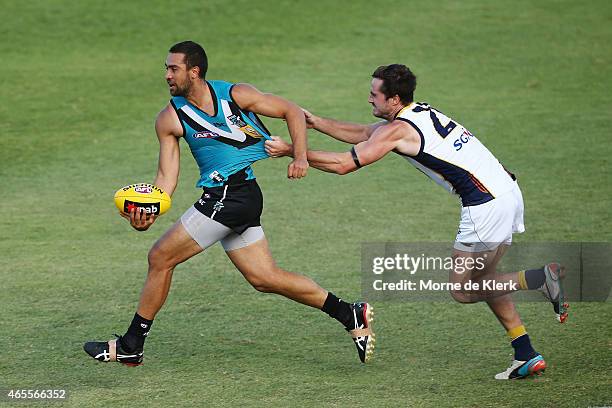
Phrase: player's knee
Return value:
(159, 260)
(461, 297)
(260, 284)
(265, 282)
(262, 287)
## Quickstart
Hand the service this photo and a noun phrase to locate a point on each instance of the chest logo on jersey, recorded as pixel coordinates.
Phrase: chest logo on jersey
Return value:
(243, 126)
(206, 134)
(239, 134)
(461, 140)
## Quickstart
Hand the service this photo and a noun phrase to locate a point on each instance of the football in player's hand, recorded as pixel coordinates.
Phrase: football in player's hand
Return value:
(152, 199)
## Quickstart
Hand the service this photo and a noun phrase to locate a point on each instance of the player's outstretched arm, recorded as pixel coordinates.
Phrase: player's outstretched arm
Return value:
(347, 132)
(383, 140)
(168, 130)
(251, 99)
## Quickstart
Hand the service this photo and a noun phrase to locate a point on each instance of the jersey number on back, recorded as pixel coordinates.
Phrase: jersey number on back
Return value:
(442, 130)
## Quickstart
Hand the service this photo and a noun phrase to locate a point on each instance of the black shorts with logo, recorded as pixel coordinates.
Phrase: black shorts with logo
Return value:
(237, 204)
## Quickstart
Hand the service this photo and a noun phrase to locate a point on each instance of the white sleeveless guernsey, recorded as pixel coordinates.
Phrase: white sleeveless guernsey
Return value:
(454, 158)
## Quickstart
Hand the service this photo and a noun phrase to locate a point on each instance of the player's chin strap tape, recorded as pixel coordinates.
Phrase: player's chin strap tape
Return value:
(355, 158)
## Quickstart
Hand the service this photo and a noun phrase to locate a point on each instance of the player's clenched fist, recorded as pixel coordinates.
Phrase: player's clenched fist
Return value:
(297, 169)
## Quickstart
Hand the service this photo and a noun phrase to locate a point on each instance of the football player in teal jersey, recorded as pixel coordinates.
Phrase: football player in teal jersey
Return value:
(219, 121)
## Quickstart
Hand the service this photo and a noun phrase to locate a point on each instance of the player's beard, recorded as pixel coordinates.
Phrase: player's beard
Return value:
(181, 90)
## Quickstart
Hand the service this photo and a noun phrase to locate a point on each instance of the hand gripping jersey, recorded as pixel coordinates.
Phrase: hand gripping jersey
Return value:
(454, 158)
(225, 143)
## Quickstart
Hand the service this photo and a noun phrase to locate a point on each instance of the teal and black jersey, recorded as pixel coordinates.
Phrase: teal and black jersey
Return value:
(225, 143)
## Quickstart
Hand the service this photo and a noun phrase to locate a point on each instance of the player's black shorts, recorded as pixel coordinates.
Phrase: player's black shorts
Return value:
(237, 204)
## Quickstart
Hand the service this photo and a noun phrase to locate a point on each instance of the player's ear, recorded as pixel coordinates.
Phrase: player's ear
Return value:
(194, 72)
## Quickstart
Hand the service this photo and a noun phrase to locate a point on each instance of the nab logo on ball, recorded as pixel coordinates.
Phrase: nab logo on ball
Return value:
(149, 208)
(146, 197)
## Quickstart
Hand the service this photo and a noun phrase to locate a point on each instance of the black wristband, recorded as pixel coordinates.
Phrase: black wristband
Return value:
(355, 158)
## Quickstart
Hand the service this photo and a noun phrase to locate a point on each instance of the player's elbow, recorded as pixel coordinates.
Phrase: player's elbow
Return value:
(345, 168)
(346, 164)
(462, 297)
(167, 181)
(293, 111)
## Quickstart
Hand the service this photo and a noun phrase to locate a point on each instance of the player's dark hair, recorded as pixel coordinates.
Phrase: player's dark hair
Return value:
(195, 56)
(397, 80)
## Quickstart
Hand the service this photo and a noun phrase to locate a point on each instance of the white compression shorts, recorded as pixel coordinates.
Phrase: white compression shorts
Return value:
(206, 232)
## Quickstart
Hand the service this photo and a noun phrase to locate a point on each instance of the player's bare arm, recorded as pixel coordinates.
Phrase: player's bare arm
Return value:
(396, 135)
(251, 99)
(347, 132)
(168, 131)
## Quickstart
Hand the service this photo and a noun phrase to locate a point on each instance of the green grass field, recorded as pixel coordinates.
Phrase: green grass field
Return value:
(81, 85)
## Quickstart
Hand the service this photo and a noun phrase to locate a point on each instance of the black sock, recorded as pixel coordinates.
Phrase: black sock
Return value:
(535, 278)
(338, 309)
(523, 350)
(136, 334)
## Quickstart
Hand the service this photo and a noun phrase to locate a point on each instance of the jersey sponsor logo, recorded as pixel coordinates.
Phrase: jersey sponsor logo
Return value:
(237, 121)
(143, 189)
(149, 208)
(215, 176)
(206, 134)
(249, 130)
(243, 126)
(463, 139)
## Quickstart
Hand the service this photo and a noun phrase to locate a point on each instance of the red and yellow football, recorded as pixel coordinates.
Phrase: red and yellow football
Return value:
(152, 199)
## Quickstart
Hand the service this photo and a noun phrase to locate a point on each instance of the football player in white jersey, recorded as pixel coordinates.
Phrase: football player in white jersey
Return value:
(492, 204)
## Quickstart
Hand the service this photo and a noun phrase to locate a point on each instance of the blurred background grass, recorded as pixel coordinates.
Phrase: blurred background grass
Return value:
(81, 86)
